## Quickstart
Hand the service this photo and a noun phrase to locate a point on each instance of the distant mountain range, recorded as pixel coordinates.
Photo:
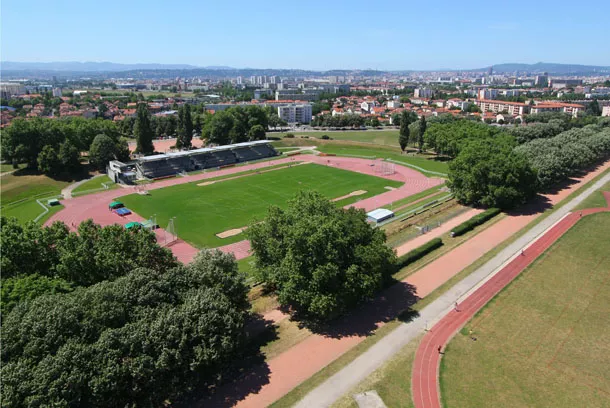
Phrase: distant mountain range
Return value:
(154, 70)
(74, 66)
(556, 69)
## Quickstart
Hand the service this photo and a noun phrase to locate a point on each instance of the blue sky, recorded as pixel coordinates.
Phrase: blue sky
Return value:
(386, 35)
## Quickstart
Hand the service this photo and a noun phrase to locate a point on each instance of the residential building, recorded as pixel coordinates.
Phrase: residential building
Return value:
(512, 108)
(393, 104)
(423, 93)
(239, 80)
(295, 113)
(487, 93)
(7, 89)
(606, 110)
(570, 108)
(542, 80)
(565, 83)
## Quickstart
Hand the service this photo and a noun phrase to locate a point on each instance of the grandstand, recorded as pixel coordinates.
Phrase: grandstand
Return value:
(170, 164)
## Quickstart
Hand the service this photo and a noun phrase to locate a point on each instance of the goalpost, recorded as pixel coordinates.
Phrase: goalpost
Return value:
(385, 168)
(170, 232)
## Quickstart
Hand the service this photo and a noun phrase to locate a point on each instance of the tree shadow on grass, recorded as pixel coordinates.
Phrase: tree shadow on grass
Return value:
(247, 374)
(389, 304)
(80, 174)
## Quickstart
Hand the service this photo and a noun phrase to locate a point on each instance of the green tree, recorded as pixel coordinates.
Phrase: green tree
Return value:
(403, 138)
(257, 132)
(488, 172)
(217, 129)
(143, 130)
(48, 161)
(102, 151)
(422, 130)
(16, 290)
(144, 339)
(594, 109)
(69, 156)
(320, 259)
(185, 127)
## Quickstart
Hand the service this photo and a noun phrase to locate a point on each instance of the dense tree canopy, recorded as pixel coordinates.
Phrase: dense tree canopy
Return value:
(448, 138)
(321, 260)
(488, 172)
(559, 157)
(234, 125)
(144, 339)
(345, 120)
(94, 254)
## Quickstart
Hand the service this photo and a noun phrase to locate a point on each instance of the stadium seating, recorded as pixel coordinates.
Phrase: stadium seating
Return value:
(172, 164)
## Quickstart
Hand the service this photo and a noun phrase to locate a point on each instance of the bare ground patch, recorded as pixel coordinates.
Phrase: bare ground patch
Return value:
(352, 194)
(231, 232)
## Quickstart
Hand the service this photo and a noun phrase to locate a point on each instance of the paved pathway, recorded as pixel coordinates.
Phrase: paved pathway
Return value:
(67, 192)
(424, 381)
(439, 272)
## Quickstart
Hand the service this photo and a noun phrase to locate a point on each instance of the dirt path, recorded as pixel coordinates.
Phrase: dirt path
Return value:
(424, 381)
(300, 362)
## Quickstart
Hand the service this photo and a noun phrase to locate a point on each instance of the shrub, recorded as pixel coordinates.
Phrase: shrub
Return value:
(289, 136)
(475, 221)
(325, 137)
(418, 252)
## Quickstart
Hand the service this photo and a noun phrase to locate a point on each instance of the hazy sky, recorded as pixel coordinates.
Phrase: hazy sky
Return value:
(386, 35)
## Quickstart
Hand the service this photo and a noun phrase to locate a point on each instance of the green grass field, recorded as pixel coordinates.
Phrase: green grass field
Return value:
(378, 137)
(19, 194)
(94, 184)
(543, 341)
(595, 200)
(203, 211)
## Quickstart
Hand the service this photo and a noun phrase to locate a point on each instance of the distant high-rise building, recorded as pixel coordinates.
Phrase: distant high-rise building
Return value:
(491, 71)
(239, 80)
(542, 80)
(57, 92)
(253, 79)
(274, 79)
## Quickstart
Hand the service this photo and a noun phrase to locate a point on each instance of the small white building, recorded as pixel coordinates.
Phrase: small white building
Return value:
(379, 215)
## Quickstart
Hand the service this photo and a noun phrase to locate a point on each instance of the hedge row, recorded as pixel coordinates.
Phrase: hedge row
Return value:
(474, 221)
(418, 252)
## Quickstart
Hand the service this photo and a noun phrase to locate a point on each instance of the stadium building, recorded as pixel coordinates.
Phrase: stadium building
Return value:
(171, 164)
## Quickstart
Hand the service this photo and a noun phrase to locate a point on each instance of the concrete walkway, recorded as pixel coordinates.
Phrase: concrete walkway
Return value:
(364, 365)
(67, 192)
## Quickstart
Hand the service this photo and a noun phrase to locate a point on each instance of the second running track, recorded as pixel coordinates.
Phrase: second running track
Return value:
(425, 378)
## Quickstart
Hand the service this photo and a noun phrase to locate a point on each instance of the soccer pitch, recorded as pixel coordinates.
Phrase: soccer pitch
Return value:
(203, 211)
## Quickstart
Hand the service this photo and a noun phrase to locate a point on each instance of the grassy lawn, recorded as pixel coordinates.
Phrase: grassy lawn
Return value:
(19, 194)
(93, 184)
(9, 167)
(595, 200)
(543, 340)
(385, 153)
(203, 211)
(379, 137)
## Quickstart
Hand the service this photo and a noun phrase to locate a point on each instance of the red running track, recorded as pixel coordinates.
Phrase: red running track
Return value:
(424, 380)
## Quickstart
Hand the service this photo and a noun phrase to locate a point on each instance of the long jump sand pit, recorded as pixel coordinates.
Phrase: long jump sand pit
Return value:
(206, 183)
(352, 194)
(231, 232)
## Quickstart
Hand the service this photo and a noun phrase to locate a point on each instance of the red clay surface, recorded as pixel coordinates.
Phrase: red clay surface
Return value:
(95, 206)
(267, 383)
(163, 146)
(424, 381)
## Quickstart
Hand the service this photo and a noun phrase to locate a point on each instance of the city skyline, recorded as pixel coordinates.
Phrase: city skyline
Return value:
(391, 37)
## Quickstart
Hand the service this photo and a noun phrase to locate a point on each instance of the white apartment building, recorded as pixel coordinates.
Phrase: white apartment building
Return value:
(570, 108)
(394, 104)
(606, 110)
(423, 93)
(295, 113)
(57, 92)
(487, 94)
(512, 108)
